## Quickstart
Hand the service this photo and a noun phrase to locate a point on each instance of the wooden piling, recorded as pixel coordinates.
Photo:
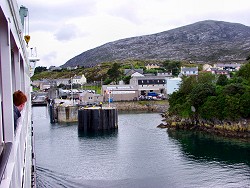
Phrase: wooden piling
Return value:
(96, 119)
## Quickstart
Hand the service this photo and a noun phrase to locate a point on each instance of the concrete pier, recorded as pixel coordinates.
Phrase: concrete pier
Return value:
(67, 114)
(96, 119)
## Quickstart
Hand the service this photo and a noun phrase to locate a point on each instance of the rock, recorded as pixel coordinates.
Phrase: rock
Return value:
(162, 126)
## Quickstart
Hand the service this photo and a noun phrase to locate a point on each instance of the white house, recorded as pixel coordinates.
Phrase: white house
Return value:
(79, 80)
(137, 74)
(207, 67)
(152, 66)
(228, 66)
(64, 81)
(189, 71)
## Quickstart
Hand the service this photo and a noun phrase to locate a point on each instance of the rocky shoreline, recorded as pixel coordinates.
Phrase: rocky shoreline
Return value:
(240, 129)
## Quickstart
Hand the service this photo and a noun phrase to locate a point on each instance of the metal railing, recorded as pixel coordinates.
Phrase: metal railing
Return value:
(4, 158)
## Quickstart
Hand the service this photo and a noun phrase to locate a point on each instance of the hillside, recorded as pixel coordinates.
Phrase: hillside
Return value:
(205, 41)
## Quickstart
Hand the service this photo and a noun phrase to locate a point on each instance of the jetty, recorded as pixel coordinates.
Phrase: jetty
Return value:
(95, 119)
(90, 118)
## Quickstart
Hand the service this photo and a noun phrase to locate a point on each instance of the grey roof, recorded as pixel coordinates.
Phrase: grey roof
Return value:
(189, 69)
(77, 77)
(129, 72)
(228, 65)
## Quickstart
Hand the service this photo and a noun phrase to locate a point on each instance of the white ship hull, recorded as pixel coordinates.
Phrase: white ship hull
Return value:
(17, 164)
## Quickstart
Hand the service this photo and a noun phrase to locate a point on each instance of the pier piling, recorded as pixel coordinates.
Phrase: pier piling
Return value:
(97, 119)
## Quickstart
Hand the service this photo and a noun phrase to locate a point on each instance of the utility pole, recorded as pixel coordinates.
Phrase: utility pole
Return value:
(72, 91)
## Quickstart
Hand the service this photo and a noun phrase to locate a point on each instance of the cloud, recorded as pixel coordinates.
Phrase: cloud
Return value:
(126, 10)
(48, 59)
(62, 29)
(47, 16)
(67, 32)
(58, 11)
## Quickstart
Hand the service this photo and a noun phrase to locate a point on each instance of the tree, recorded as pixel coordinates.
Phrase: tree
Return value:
(206, 77)
(114, 73)
(244, 72)
(187, 84)
(222, 80)
(244, 105)
(248, 57)
(200, 93)
(209, 110)
(126, 79)
(40, 69)
(234, 88)
(173, 66)
(232, 107)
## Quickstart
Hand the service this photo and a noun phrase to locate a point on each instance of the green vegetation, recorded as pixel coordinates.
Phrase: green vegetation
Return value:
(208, 98)
(40, 69)
(172, 66)
(110, 72)
(114, 73)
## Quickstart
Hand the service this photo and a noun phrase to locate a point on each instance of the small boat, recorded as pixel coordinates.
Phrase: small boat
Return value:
(40, 100)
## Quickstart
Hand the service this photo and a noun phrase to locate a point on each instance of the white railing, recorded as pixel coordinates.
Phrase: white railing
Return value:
(18, 169)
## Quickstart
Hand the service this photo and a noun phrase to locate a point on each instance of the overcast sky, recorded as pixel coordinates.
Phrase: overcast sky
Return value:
(62, 29)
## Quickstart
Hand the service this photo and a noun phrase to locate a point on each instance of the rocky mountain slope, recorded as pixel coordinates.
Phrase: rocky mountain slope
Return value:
(205, 41)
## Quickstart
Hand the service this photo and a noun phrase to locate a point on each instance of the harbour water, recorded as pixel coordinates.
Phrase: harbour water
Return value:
(136, 155)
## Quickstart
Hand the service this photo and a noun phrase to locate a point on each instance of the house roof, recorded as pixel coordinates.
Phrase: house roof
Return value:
(189, 68)
(129, 72)
(228, 65)
(137, 74)
(77, 77)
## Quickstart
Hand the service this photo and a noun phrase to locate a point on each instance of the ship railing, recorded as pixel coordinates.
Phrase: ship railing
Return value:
(5, 153)
(17, 171)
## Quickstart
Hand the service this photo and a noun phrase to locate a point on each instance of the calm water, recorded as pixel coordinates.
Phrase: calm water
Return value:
(137, 155)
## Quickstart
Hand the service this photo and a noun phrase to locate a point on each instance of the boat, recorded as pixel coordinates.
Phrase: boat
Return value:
(17, 157)
(40, 100)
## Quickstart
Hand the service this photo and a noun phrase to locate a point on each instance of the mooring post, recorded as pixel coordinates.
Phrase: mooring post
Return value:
(51, 111)
(97, 119)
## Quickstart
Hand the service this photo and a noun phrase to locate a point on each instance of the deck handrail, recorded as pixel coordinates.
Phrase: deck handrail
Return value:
(4, 158)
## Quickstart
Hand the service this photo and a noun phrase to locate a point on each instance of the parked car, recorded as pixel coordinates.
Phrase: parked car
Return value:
(153, 94)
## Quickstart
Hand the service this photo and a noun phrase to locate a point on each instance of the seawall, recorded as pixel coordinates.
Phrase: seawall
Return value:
(146, 106)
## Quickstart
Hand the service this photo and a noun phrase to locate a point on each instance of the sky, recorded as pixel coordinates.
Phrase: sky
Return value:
(63, 29)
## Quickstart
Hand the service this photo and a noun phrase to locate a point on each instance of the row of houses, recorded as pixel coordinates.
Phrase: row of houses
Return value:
(48, 83)
(162, 83)
(141, 84)
(222, 68)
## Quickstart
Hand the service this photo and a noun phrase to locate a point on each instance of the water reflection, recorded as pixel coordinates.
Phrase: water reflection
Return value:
(200, 146)
(104, 134)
